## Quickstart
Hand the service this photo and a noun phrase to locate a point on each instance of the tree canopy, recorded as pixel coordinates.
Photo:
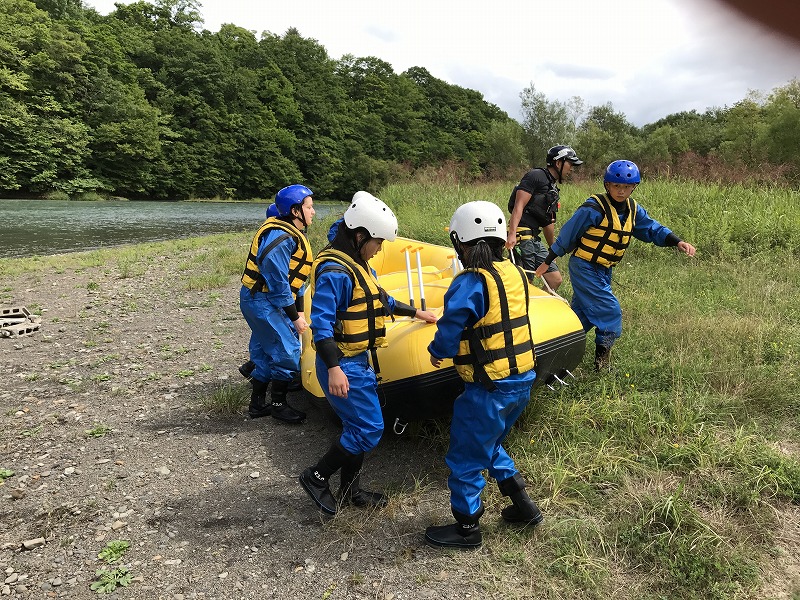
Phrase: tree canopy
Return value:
(145, 103)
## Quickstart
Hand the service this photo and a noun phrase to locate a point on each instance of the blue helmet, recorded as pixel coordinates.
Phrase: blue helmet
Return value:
(289, 196)
(272, 210)
(622, 171)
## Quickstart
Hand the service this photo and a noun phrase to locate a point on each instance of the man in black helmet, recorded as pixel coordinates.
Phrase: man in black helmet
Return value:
(533, 205)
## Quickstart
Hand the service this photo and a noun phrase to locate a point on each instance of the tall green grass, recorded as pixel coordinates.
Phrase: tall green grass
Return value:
(667, 476)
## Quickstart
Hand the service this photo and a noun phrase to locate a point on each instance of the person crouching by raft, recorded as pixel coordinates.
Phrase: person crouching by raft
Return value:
(485, 329)
(271, 300)
(348, 311)
(597, 235)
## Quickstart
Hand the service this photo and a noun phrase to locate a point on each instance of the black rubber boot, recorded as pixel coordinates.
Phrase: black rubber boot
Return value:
(247, 369)
(465, 534)
(315, 479)
(602, 358)
(259, 407)
(523, 510)
(296, 384)
(280, 407)
(350, 491)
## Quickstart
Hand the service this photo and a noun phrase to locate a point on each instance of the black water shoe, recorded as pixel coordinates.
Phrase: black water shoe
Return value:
(247, 369)
(456, 535)
(317, 487)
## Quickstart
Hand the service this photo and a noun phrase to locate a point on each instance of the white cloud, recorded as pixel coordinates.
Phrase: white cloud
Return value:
(649, 58)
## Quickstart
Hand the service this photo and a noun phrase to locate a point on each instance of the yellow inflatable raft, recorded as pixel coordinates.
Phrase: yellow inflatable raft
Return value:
(409, 386)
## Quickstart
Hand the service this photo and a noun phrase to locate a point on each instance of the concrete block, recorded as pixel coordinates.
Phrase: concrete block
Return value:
(19, 330)
(6, 321)
(15, 311)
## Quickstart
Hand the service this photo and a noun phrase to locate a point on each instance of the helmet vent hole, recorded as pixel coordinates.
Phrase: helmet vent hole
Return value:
(478, 220)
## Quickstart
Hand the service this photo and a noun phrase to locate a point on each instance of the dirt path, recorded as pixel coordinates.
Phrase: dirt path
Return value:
(104, 426)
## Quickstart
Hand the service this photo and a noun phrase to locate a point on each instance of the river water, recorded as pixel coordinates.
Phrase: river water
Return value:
(31, 227)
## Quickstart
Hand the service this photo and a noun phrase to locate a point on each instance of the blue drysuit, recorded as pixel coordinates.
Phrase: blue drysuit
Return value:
(360, 412)
(274, 343)
(481, 419)
(592, 298)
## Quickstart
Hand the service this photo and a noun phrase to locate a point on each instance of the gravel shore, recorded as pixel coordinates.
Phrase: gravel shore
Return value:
(109, 429)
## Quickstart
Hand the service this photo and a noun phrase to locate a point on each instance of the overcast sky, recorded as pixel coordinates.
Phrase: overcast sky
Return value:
(649, 58)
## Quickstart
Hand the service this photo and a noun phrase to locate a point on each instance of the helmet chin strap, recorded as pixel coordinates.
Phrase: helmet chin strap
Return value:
(359, 245)
(457, 246)
(302, 216)
(561, 171)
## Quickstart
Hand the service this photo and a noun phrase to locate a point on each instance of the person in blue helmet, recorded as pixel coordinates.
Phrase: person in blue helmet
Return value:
(348, 314)
(486, 330)
(597, 235)
(271, 300)
(533, 205)
(246, 369)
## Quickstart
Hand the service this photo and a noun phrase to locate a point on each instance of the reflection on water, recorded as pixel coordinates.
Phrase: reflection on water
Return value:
(29, 227)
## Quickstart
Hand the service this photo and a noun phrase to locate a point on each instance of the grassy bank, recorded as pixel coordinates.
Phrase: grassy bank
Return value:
(674, 476)
(670, 476)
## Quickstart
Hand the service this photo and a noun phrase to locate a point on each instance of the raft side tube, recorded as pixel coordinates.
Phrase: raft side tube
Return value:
(410, 388)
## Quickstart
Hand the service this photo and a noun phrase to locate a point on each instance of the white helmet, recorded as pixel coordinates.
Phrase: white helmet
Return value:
(372, 214)
(478, 220)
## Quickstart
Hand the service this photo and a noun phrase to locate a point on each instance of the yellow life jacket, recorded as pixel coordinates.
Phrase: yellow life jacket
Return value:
(606, 242)
(361, 327)
(499, 344)
(299, 261)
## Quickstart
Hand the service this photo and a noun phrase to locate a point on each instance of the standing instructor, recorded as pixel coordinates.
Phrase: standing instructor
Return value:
(533, 205)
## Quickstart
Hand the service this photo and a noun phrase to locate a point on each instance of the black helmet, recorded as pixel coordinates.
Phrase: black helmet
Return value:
(558, 152)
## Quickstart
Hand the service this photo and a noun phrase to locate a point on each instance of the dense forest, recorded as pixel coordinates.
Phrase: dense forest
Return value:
(146, 103)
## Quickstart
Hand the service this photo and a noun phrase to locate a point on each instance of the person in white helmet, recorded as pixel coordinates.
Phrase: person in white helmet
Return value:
(348, 310)
(486, 331)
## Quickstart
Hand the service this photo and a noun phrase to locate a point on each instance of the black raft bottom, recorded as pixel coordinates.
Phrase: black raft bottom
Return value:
(428, 396)
(431, 396)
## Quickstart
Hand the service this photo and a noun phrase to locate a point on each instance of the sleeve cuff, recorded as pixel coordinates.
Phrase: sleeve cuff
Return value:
(551, 256)
(299, 303)
(672, 240)
(328, 351)
(432, 353)
(291, 312)
(401, 309)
